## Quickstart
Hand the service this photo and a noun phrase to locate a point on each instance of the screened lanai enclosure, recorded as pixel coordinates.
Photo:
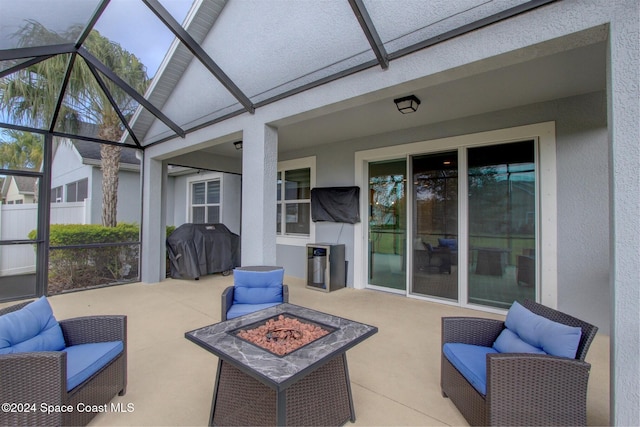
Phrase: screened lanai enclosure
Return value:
(84, 86)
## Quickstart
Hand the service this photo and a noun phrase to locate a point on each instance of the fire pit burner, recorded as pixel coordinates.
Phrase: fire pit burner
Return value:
(282, 334)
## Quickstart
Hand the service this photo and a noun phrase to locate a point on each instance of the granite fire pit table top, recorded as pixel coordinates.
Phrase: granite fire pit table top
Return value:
(279, 372)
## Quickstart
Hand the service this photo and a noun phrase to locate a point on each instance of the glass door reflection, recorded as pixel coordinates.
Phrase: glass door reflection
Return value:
(435, 225)
(502, 218)
(387, 224)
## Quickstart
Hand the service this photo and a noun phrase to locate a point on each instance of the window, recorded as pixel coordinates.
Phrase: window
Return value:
(78, 191)
(56, 195)
(295, 180)
(205, 202)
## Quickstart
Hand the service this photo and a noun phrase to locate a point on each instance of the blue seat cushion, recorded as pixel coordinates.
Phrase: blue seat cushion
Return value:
(471, 361)
(554, 338)
(32, 328)
(238, 310)
(257, 287)
(84, 360)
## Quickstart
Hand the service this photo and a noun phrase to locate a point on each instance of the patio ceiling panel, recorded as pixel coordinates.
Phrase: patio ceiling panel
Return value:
(406, 28)
(198, 98)
(40, 90)
(9, 66)
(67, 18)
(289, 44)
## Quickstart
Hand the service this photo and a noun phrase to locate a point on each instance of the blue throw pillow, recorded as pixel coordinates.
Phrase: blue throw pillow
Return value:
(32, 328)
(509, 342)
(257, 287)
(448, 243)
(554, 338)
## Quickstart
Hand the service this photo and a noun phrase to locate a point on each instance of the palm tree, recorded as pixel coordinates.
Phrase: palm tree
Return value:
(21, 150)
(29, 97)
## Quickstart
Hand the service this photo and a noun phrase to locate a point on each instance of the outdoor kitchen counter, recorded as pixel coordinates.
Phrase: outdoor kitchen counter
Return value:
(308, 386)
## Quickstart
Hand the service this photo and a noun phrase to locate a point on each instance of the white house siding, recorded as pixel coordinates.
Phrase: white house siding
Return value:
(67, 167)
(129, 199)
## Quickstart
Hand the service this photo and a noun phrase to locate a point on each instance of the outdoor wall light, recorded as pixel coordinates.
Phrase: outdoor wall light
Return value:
(408, 104)
(238, 145)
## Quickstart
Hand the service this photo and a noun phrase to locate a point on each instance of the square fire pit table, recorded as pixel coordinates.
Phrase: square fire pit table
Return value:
(309, 386)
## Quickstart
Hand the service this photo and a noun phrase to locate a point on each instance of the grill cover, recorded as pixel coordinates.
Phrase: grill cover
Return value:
(199, 249)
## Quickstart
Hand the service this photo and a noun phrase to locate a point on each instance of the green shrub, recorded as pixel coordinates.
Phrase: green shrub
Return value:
(75, 268)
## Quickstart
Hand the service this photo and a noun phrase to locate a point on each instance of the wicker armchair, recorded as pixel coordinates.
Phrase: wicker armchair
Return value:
(522, 388)
(40, 378)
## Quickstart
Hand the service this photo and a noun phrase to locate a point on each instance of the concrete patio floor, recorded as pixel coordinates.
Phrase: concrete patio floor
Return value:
(395, 374)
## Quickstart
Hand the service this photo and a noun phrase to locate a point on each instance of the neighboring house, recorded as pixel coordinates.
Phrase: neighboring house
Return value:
(18, 190)
(76, 176)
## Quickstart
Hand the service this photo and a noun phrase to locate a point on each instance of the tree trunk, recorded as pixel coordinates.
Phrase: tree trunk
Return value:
(110, 166)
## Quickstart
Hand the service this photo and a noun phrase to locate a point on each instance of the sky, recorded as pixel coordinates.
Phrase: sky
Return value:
(127, 22)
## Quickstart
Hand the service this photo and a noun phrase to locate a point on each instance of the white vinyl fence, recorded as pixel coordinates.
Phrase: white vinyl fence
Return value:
(17, 221)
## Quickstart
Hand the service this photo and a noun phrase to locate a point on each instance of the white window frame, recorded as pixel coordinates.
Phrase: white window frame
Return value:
(204, 177)
(546, 170)
(301, 163)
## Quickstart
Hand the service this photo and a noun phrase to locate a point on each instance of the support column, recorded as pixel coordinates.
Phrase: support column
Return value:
(259, 169)
(624, 158)
(153, 253)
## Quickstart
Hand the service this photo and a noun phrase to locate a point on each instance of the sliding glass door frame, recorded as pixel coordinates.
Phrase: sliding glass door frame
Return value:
(545, 217)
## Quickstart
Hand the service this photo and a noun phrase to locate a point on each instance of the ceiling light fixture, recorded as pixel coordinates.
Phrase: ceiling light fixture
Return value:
(408, 104)
(238, 145)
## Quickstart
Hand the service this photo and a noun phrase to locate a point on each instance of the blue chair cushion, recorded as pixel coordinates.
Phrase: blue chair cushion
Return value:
(448, 243)
(84, 360)
(238, 310)
(32, 328)
(509, 342)
(554, 338)
(257, 287)
(471, 361)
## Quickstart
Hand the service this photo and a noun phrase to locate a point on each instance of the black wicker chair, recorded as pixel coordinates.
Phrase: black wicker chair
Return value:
(522, 388)
(39, 378)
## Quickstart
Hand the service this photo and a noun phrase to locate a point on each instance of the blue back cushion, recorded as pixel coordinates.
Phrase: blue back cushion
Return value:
(32, 328)
(552, 337)
(257, 287)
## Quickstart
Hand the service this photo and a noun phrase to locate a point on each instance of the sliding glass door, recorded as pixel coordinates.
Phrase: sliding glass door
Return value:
(464, 230)
(502, 224)
(387, 224)
(435, 225)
